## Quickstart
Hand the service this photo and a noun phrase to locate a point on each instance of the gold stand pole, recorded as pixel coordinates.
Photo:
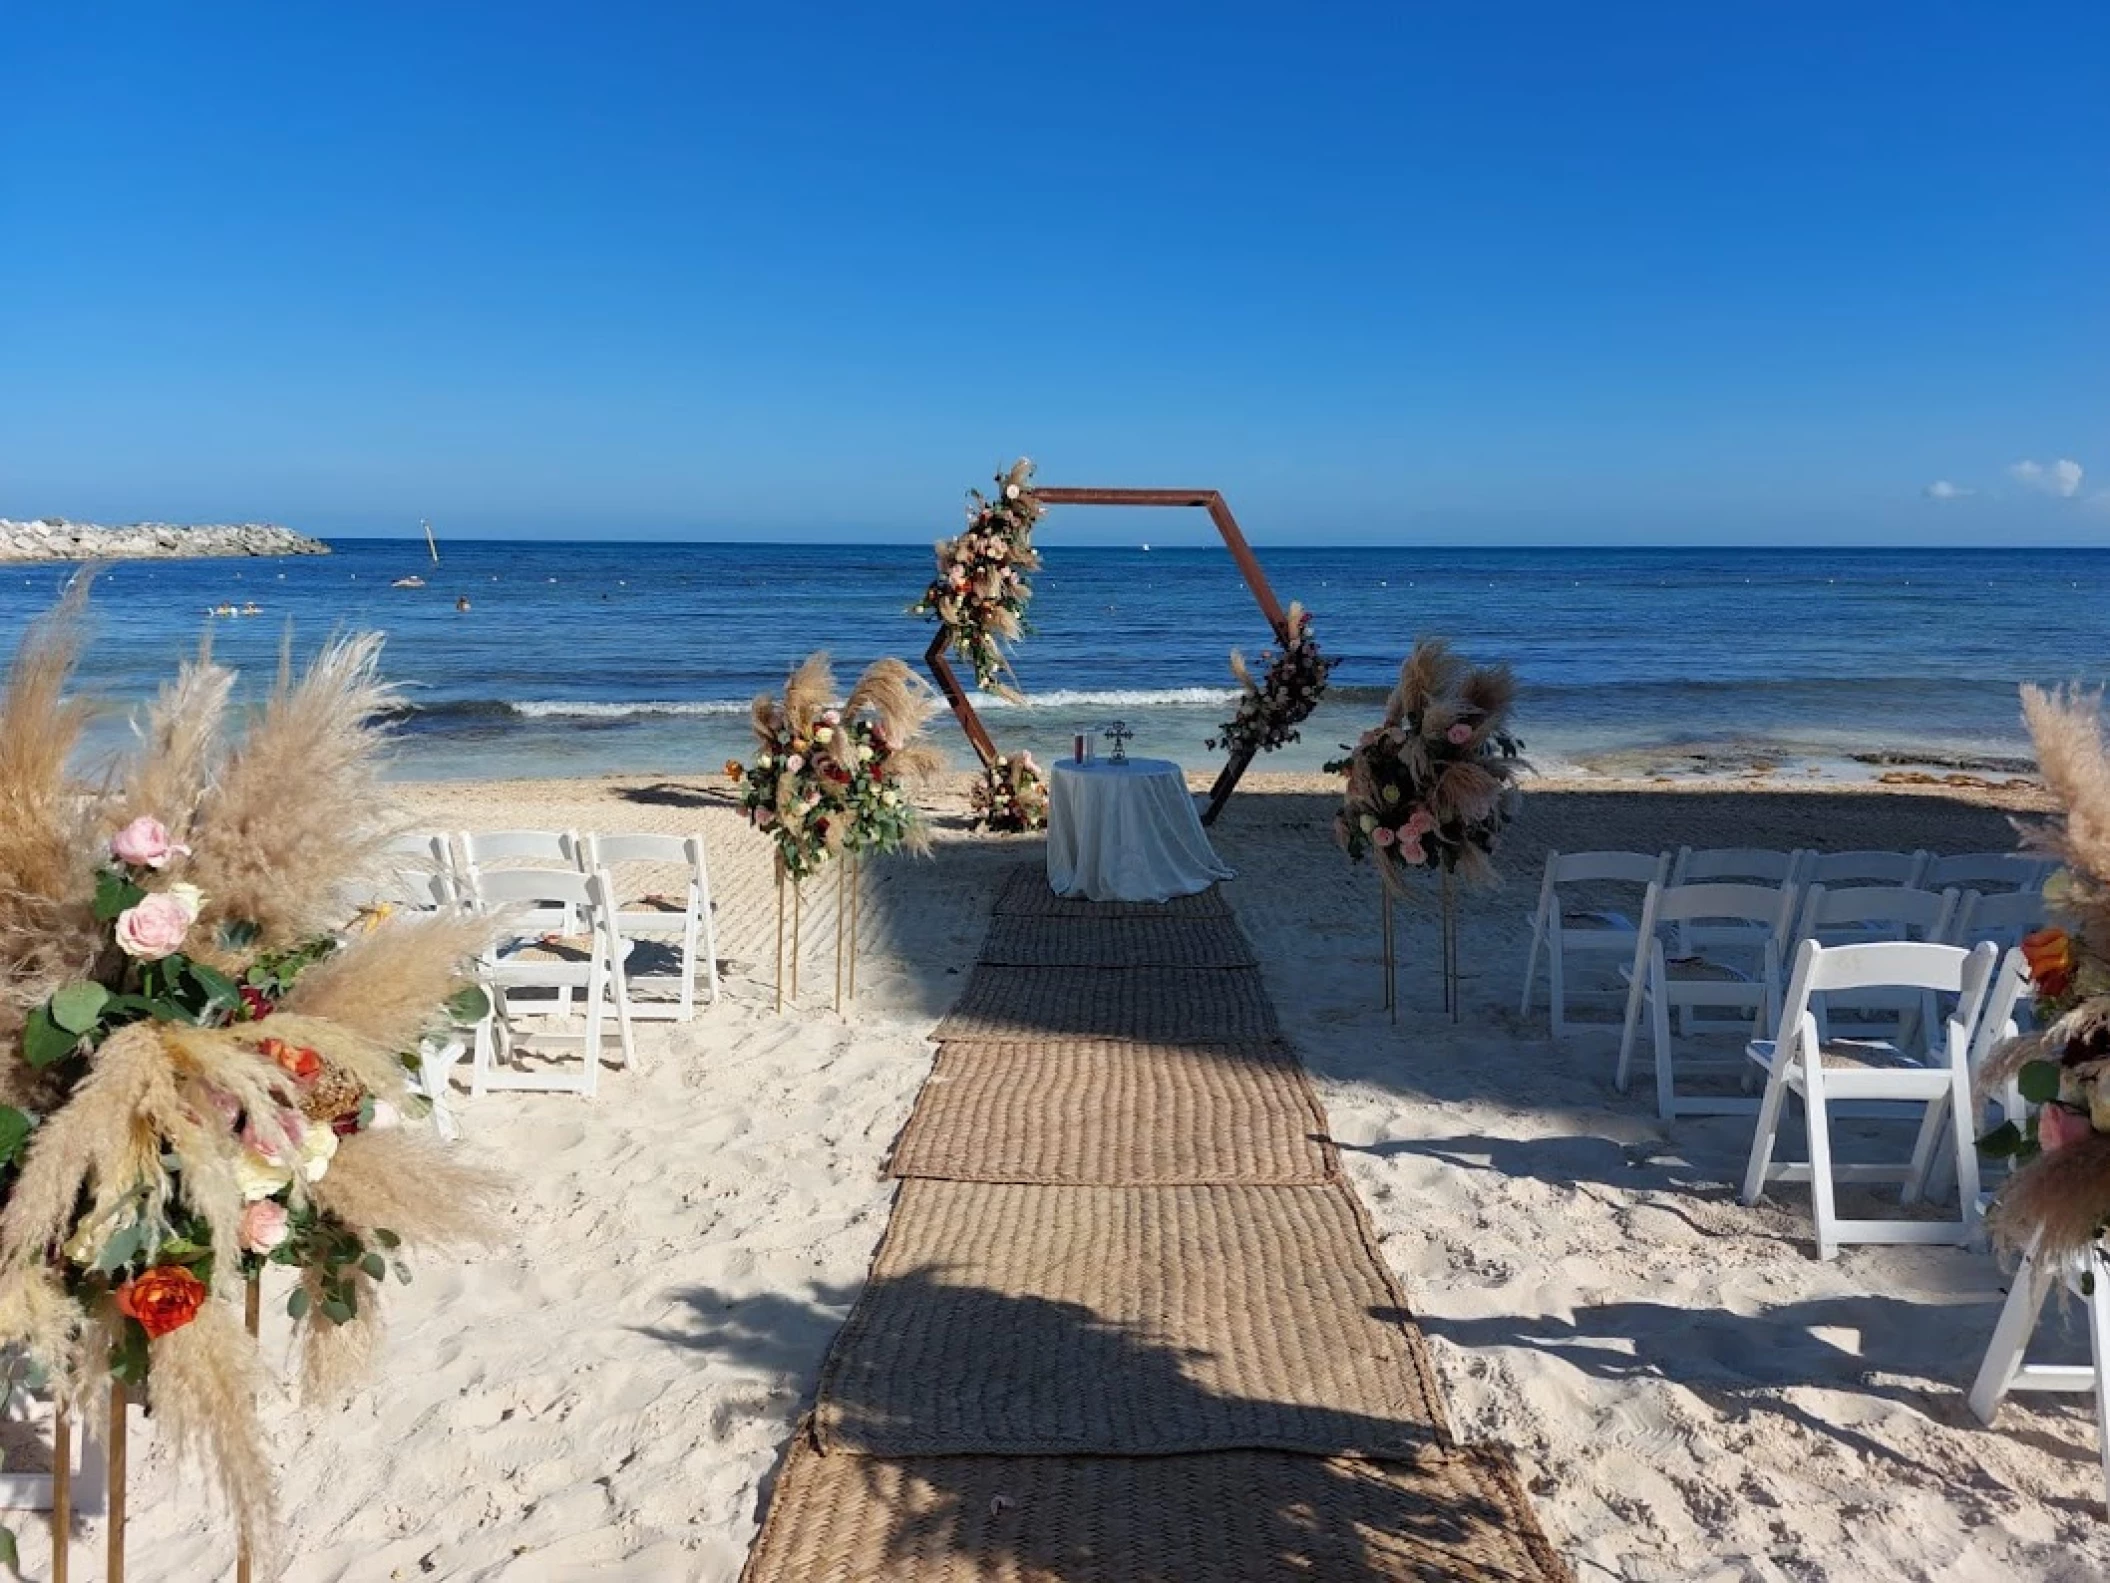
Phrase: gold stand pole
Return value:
(61, 1492)
(842, 901)
(252, 1312)
(1450, 944)
(1384, 913)
(780, 934)
(857, 907)
(114, 1548)
(798, 898)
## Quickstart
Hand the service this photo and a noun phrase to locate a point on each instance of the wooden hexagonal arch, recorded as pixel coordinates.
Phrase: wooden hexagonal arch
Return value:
(1248, 567)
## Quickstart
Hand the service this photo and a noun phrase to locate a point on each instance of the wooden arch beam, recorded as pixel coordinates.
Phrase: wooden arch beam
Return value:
(1248, 567)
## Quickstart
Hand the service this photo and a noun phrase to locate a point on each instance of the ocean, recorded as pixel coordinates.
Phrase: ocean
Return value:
(577, 658)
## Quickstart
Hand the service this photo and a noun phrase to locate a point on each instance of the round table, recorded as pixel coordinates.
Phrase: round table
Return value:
(1126, 832)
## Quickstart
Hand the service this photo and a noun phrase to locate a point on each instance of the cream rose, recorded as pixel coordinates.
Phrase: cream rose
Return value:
(155, 927)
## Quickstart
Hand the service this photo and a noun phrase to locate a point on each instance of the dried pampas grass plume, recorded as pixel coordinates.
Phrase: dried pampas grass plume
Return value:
(47, 930)
(2056, 1203)
(2066, 725)
(179, 748)
(206, 1380)
(808, 691)
(1428, 674)
(896, 695)
(299, 806)
(387, 984)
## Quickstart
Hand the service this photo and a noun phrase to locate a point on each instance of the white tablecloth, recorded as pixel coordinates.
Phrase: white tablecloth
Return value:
(1127, 832)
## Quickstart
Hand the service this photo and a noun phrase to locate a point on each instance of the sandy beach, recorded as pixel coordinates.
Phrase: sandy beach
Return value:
(1689, 1392)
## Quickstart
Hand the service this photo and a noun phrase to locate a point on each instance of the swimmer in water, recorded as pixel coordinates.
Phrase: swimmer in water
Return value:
(462, 603)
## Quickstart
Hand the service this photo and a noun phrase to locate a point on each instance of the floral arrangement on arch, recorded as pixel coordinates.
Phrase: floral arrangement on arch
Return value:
(1009, 797)
(1432, 787)
(831, 778)
(980, 593)
(200, 1073)
(1271, 709)
(2058, 1198)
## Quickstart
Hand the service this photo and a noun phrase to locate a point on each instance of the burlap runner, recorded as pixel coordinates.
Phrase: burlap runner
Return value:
(1230, 1517)
(1026, 894)
(1116, 942)
(1013, 1005)
(1012, 1319)
(1115, 1114)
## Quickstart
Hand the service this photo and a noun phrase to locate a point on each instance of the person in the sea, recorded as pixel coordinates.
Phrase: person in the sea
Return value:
(462, 603)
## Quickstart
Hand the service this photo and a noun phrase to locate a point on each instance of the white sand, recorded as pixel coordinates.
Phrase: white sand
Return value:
(1692, 1394)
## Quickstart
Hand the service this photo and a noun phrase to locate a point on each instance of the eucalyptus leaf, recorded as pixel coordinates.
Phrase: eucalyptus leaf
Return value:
(469, 1004)
(77, 1007)
(375, 1266)
(15, 1126)
(297, 1304)
(44, 1042)
(125, 1245)
(2039, 1082)
(2002, 1143)
(237, 934)
(385, 1237)
(9, 1558)
(337, 1312)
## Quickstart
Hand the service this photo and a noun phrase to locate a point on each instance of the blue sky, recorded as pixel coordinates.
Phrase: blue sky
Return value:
(1698, 273)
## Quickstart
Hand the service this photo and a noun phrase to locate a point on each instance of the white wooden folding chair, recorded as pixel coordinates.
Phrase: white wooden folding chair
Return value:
(1730, 865)
(30, 1410)
(2005, 1367)
(639, 919)
(1987, 872)
(1834, 915)
(2004, 1015)
(509, 851)
(1562, 931)
(1739, 975)
(2003, 917)
(417, 872)
(1938, 1081)
(1863, 868)
(558, 938)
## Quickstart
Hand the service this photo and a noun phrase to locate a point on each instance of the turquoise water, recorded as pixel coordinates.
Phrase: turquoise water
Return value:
(575, 658)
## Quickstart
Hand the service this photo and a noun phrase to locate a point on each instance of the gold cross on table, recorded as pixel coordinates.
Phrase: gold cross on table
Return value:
(1118, 734)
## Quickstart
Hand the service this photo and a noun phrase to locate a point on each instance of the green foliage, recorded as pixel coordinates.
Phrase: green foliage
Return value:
(129, 1359)
(2004, 1142)
(44, 1042)
(468, 1005)
(114, 893)
(15, 1128)
(78, 1007)
(2039, 1082)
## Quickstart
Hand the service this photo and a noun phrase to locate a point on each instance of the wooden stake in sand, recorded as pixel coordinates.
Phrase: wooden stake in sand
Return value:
(114, 1543)
(1386, 930)
(252, 1305)
(61, 1492)
(780, 934)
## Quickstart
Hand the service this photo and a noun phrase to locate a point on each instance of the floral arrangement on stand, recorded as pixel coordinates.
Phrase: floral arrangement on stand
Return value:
(1433, 785)
(1010, 796)
(1270, 710)
(829, 778)
(980, 593)
(2057, 1200)
(199, 1075)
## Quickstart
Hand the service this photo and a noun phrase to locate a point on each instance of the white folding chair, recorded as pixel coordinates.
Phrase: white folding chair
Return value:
(2003, 917)
(1730, 865)
(1987, 871)
(2005, 1013)
(1739, 975)
(1825, 1074)
(1562, 931)
(30, 1410)
(559, 849)
(559, 938)
(1863, 868)
(1834, 915)
(2005, 1367)
(417, 872)
(641, 920)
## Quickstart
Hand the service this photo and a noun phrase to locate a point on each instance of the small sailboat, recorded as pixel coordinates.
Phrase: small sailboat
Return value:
(431, 545)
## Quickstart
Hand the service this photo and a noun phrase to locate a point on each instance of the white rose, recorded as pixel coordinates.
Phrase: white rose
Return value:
(318, 1146)
(259, 1177)
(1010, 491)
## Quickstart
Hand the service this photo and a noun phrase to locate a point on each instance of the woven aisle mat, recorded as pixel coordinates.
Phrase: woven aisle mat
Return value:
(1026, 894)
(1233, 1517)
(1116, 942)
(1107, 1114)
(1026, 1005)
(1022, 1319)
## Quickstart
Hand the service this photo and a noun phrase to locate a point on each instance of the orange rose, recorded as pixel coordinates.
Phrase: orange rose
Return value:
(166, 1298)
(733, 769)
(297, 1061)
(2049, 953)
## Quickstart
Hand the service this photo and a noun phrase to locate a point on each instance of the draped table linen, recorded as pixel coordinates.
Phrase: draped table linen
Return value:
(1127, 832)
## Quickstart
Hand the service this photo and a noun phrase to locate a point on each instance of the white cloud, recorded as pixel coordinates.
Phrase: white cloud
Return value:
(2061, 478)
(1942, 489)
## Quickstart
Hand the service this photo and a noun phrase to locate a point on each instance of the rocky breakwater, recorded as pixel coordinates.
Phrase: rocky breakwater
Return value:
(55, 539)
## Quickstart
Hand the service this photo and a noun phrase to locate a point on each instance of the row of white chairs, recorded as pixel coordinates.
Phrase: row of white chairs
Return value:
(567, 947)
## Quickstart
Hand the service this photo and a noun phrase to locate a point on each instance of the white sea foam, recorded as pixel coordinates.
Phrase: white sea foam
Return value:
(555, 708)
(1061, 698)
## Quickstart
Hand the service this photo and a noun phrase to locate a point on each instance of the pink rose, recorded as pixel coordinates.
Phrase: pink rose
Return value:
(156, 926)
(794, 764)
(1459, 735)
(1383, 836)
(2057, 1126)
(1419, 823)
(1411, 852)
(277, 1141)
(263, 1226)
(224, 1105)
(145, 843)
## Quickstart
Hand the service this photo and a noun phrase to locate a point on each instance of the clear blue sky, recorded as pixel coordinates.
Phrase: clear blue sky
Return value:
(1706, 272)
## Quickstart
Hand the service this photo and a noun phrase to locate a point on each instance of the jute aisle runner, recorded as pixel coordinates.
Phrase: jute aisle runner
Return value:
(1127, 1323)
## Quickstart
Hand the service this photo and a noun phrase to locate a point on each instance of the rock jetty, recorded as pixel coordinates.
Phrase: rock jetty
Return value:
(55, 539)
